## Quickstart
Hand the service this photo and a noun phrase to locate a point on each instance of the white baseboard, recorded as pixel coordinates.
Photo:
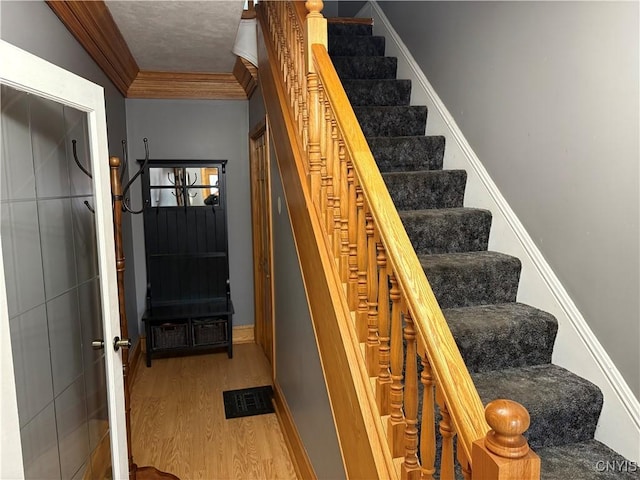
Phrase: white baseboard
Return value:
(577, 348)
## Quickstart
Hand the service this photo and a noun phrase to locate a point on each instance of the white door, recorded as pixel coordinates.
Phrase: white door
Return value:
(23, 72)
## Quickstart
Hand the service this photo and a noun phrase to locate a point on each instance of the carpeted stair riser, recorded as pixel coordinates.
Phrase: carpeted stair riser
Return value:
(406, 154)
(564, 408)
(378, 92)
(491, 337)
(475, 278)
(447, 230)
(507, 346)
(356, 46)
(426, 189)
(394, 121)
(354, 68)
(348, 29)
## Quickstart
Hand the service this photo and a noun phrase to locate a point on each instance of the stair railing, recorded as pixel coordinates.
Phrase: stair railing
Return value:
(393, 315)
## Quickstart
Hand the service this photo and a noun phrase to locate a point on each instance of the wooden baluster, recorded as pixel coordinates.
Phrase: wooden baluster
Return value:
(465, 466)
(285, 45)
(300, 88)
(410, 466)
(323, 156)
(396, 423)
(383, 382)
(504, 452)
(337, 196)
(362, 312)
(352, 224)
(314, 139)
(344, 214)
(428, 427)
(291, 55)
(305, 99)
(371, 352)
(296, 71)
(330, 148)
(282, 37)
(447, 432)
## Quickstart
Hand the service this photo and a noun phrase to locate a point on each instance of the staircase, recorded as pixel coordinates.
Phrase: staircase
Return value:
(506, 345)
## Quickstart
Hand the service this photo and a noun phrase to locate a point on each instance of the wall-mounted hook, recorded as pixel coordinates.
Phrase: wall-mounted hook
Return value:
(125, 161)
(86, 202)
(126, 202)
(75, 157)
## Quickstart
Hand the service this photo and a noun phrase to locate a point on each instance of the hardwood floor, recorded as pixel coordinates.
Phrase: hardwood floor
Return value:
(178, 423)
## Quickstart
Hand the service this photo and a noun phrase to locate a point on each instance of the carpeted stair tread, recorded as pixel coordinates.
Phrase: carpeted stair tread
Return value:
(397, 154)
(356, 45)
(426, 189)
(585, 461)
(392, 121)
(336, 27)
(503, 335)
(564, 407)
(376, 67)
(447, 230)
(472, 278)
(378, 92)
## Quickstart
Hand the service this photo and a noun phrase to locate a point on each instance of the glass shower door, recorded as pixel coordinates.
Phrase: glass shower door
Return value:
(58, 269)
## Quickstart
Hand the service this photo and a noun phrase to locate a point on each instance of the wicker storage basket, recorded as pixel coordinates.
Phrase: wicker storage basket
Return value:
(209, 331)
(170, 335)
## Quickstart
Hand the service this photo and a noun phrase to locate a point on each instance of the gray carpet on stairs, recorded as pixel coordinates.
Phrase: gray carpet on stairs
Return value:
(406, 154)
(507, 346)
(502, 335)
(447, 230)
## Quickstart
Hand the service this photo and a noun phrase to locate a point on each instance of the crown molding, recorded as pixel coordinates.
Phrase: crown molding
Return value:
(246, 74)
(93, 26)
(211, 86)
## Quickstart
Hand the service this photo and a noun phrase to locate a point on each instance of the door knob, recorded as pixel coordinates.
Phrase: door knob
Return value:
(97, 344)
(124, 343)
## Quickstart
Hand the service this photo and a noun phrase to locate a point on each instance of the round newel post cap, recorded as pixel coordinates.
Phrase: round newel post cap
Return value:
(114, 161)
(314, 7)
(508, 421)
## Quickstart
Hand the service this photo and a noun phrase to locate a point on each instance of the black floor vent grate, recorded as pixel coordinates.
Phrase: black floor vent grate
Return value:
(248, 401)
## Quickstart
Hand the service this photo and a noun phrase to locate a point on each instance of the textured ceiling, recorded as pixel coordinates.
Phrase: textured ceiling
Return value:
(179, 36)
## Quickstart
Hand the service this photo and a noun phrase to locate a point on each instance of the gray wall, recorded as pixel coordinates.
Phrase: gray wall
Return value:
(349, 8)
(546, 93)
(330, 8)
(298, 369)
(200, 129)
(34, 27)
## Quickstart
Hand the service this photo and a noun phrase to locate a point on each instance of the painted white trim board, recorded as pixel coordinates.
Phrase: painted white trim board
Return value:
(577, 349)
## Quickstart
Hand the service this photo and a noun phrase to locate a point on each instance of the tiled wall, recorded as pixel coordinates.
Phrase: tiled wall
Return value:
(51, 272)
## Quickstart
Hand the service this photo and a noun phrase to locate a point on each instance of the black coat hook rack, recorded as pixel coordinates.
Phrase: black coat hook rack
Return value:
(126, 201)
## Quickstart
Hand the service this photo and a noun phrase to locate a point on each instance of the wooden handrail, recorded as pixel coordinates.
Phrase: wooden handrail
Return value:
(362, 231)
(448, 366)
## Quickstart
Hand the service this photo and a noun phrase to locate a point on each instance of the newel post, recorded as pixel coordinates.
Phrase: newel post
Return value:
(315, 29)
(316, 32)
(504, 453)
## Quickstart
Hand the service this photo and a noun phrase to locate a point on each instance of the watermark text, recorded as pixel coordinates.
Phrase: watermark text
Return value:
(617, 466)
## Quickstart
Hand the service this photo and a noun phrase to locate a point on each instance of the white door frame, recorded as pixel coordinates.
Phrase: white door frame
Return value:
(26, 72)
